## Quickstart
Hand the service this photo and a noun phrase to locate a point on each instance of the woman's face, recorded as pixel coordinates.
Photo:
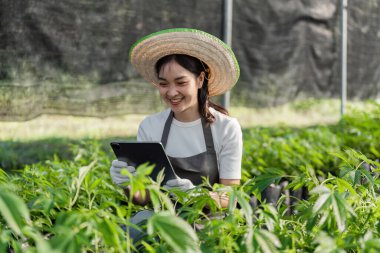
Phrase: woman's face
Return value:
(178, 87)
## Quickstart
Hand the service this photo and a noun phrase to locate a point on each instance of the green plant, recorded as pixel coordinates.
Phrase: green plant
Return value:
(71, 205)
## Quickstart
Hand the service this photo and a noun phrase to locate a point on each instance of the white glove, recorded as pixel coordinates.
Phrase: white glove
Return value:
(181, 183)
(115, 171)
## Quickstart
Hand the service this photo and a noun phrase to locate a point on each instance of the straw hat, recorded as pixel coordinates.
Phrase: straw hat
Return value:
(224, 68)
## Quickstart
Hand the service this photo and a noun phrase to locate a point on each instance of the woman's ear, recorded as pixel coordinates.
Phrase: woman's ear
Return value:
(201, 79)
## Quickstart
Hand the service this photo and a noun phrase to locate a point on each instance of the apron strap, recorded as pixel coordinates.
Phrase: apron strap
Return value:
(206, 133)
(165, 134)
(208, 136)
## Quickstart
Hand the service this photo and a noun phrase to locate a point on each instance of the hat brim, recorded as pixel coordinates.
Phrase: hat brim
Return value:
(224, 68)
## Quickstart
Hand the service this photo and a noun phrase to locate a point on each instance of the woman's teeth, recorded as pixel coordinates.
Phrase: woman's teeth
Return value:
(176, 100)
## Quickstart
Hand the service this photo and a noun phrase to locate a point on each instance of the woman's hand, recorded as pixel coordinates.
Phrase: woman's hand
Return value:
(180, 183)
(222, 198)
(120, 179)
(184, 184)
(117, 177)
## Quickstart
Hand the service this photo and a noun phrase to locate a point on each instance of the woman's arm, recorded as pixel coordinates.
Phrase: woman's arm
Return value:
(229, 158)
(221, 198)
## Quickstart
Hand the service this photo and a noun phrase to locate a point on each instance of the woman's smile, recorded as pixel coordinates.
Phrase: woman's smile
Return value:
(175, 101)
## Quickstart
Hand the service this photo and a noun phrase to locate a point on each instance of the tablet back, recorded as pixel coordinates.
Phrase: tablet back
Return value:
(137, 153)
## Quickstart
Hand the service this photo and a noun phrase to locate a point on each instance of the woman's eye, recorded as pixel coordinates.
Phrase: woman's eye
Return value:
(182, 83)
(163, 84)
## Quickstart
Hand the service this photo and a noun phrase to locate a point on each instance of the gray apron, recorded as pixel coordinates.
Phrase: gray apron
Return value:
(195, 167)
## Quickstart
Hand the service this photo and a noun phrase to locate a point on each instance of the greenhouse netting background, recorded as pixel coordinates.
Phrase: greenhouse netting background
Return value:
(71, 56)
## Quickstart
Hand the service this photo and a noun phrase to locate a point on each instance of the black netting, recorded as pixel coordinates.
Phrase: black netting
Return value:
(71, 56)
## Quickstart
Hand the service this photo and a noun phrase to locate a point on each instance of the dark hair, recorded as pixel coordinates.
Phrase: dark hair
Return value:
(195, 66)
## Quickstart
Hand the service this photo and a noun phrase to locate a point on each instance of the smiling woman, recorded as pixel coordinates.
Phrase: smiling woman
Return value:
(202, 142)
(183, 85)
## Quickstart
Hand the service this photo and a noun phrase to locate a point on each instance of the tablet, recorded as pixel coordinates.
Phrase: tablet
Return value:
(137, 153)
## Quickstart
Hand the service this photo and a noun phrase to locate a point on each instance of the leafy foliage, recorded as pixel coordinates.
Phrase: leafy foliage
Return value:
(71, 205)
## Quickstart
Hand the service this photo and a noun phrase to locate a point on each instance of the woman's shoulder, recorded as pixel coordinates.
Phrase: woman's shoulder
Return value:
(223, 120)
(156, 119)
(225, 126)
(151, 127)
(226, 131)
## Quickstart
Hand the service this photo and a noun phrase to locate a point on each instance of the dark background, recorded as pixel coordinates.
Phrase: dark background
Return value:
(71, 56)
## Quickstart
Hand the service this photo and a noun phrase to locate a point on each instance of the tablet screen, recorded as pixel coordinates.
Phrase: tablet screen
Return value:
(137, 153)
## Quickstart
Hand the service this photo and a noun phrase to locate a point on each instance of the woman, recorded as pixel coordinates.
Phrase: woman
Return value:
(188, 67)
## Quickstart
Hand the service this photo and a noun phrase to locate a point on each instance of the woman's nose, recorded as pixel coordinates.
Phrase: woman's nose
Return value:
(172, 91)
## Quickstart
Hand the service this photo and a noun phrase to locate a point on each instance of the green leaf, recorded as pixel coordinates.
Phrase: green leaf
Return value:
(246, 207)
(344, 170)
(174, 231)
(372, 244)
(266, 241)
(263, 181)
(362, 157)
(155, 199)
(344, 208)
(338, 214)
(374, 151)
(110, 233)
(164, 200)
(320, 189)
(343, 158)
(343, 185)
(95, 184)
(148, 247)
(78, 182)
(42, 245)
(368, 175)
(231, 202)
(3, 176)
(357, 176)
(297, 183)
(326, 244)
(65, 241)
(83, 172)
(324, 199)
(14, 211)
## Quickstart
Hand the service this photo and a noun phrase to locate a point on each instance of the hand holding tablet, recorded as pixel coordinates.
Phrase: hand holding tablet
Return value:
(137, 153)
(116, 175)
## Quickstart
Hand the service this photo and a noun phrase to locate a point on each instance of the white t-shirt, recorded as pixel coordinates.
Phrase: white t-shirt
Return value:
(186, 139)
